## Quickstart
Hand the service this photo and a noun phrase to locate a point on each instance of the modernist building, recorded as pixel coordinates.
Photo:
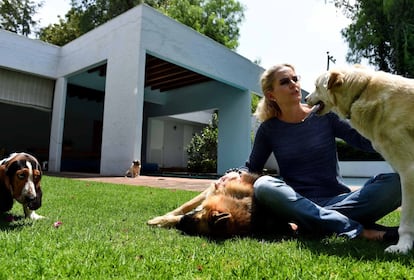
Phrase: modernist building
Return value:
(102, 100)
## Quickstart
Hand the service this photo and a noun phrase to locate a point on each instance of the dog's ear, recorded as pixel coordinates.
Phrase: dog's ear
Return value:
(336, 79)
(2, 172)
(3, 176)
(220, 219)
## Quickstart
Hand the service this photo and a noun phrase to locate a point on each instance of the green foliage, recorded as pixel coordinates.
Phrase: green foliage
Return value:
(400, 14)
(64, 31)
(349, 153)
(382, 31)
(255, 101)
(93, 13)
(84, 16)
(217, 19)
(202, 150)
(104, 236)
(16, 16)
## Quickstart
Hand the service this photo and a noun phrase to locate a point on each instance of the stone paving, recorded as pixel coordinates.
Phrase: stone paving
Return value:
(193, 184)
(182, 183)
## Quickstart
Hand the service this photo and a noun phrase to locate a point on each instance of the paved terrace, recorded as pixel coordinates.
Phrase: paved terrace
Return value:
(182, 183)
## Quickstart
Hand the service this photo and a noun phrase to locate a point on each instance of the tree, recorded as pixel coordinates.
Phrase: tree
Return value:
(64, 31)
(202, 150)
(400, 13)
(217, 19)
(254, 101)
(84, 16)
(93, 13)
(382, 31)
(17, 16)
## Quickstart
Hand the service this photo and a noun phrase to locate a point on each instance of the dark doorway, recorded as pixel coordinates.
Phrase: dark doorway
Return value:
(25, 129)
(82, 136)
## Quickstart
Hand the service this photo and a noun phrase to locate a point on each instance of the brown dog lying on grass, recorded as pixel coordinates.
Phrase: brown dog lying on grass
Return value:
(225, 209)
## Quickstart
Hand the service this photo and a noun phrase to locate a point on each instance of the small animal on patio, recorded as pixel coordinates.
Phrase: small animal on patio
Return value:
(225, 209)
(20, 176)
(134, 170)
(379, 105)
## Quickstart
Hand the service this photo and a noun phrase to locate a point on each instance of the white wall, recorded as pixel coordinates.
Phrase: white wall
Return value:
(26, 55)
(364, 168)
(155, 141)
(167, 142)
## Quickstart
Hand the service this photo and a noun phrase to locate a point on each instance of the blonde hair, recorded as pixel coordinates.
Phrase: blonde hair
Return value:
(266, 108)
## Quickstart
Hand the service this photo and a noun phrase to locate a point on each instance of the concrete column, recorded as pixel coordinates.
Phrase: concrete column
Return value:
(58, 122)
(234, 136)
(122, 120)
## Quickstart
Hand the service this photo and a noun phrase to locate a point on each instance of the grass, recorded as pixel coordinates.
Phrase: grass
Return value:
(103, 235)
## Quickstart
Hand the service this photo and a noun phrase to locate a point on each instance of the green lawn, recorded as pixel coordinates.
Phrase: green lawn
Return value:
(104, 235)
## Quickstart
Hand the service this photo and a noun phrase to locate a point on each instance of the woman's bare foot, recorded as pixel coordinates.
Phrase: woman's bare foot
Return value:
(293, 226)
(372, 234)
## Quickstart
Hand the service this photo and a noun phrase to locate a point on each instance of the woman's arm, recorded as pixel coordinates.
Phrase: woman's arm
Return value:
(260, 152)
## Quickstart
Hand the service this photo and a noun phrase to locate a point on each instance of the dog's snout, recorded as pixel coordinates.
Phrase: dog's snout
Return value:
(29, 192)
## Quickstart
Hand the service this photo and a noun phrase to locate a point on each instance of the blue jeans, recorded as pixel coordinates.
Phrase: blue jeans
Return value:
(344, 214)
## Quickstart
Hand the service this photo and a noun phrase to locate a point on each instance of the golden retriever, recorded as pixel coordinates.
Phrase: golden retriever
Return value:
(379, 106)
(227, 208)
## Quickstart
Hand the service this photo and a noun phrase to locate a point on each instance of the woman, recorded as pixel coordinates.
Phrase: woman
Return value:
(310, 192)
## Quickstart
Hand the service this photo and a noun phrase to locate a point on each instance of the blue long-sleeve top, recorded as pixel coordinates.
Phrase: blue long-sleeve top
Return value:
(306, 152)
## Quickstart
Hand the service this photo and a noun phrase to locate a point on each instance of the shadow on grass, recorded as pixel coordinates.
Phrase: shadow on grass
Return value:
(9, 222)
(358, 249)
(361, 250)
(265, 237)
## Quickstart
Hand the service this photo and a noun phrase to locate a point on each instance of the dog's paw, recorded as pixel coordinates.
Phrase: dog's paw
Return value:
(35, 216)
(164, 221)
(404, 245)
(396, 249)
(158, 221)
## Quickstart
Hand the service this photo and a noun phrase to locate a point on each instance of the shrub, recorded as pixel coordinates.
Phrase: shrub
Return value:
(202, 150)
(349, 153)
